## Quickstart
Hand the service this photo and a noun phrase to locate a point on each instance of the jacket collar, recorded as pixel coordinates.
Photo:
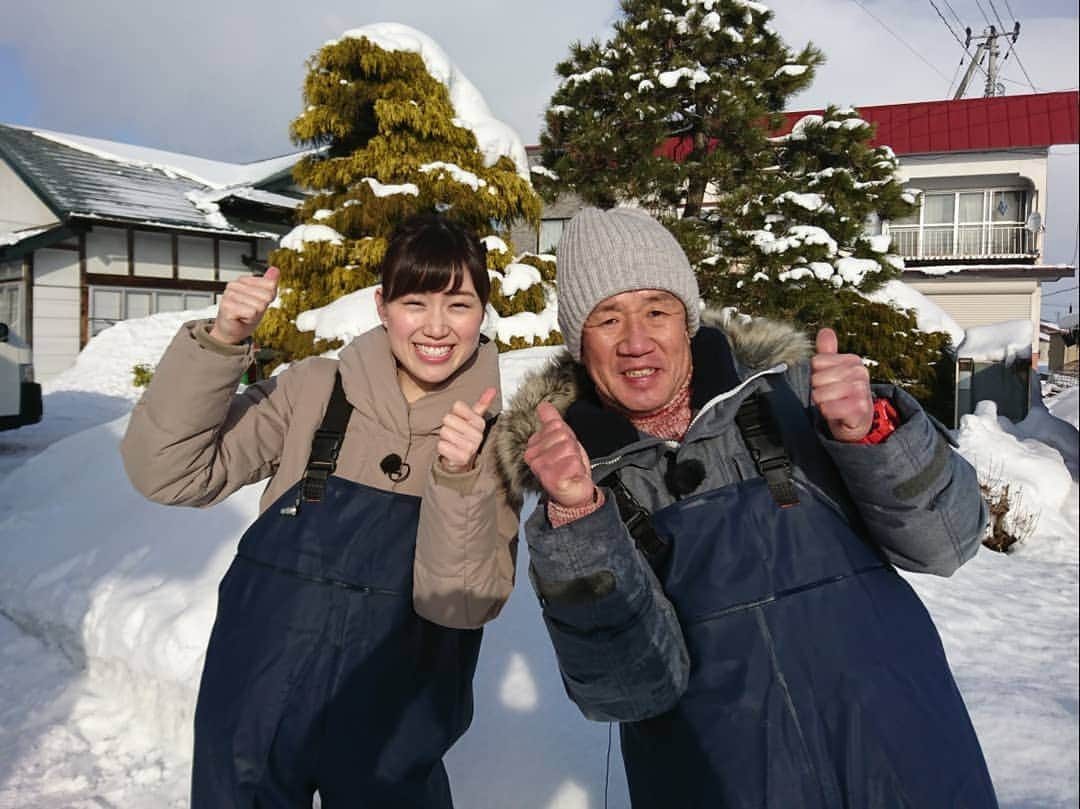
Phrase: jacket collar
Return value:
(727, 348)
(603, 432)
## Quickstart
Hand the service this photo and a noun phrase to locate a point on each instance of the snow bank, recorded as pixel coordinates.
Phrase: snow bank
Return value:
(1004, 342)
(1037, 458)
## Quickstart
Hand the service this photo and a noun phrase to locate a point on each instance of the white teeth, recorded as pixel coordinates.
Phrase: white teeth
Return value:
(434, 351)
(640, 372)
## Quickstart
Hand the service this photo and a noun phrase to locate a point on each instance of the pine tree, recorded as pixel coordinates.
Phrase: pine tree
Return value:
(677, 102)
(675, 112)
(385, 145)
(799, 234)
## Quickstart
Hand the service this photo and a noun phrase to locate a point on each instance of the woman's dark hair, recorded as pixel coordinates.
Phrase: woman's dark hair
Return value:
(429, 253)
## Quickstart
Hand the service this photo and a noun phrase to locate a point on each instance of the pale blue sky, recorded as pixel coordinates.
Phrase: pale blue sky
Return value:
(222, 79)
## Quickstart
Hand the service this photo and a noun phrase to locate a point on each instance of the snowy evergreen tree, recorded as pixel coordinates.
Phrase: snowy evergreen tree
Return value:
(675, 112)
(678, 102)
(387, 142)
(801, 231)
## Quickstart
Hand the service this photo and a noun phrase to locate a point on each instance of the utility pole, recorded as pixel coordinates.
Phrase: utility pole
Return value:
(987, 47)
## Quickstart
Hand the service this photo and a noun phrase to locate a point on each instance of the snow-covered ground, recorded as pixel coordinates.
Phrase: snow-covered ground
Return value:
(106, 602)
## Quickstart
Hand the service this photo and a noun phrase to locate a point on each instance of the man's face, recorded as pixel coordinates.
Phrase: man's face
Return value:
(636, 349)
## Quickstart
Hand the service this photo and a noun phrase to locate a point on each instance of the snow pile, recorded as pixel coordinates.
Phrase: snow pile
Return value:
(389, 189)
(301, 234)
(494, 138)
(1005, 342)
(1037, 458)
(343, 318)
(1064, 406)
(928, 314)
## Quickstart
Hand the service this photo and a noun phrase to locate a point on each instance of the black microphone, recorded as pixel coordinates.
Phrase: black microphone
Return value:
(394, 468)
(683, 477)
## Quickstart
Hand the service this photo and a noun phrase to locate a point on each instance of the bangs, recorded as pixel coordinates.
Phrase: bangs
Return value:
(432, 277)
(429, 253)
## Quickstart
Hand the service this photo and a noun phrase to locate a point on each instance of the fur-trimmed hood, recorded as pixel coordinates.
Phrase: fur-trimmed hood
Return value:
(756, 344)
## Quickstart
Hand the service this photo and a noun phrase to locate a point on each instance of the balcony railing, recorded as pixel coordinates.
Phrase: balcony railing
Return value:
(974, 240)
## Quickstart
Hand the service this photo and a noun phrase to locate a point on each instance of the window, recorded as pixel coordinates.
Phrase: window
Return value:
(550, 233)
(11, 308)
(961, 224)
(109, 305)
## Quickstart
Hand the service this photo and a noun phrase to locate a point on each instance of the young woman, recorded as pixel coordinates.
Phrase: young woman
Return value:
(347, 630)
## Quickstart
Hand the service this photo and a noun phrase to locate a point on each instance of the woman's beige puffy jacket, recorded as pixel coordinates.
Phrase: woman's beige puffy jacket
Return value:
(192, 440)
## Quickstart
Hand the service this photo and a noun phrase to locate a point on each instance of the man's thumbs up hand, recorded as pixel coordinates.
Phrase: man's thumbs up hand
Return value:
(559, 461)
(840, 387)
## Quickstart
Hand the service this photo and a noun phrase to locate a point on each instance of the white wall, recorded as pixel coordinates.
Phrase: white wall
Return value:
(20, 208)
(56, 311)
(1028, 164)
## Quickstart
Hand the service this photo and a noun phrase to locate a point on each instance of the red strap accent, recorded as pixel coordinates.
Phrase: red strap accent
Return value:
(885, 422)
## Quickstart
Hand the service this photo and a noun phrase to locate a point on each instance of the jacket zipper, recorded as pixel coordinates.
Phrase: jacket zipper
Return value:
(776, 369)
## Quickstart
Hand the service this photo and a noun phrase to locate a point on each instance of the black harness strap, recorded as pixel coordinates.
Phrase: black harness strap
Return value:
(759, 430)
(325, 446)
(761, 434)
(638, 521)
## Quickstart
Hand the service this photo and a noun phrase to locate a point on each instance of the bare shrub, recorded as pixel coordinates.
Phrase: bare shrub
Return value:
(1010, 523)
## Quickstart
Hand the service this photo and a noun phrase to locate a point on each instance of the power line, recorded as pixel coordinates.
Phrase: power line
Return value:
(899, 38)
(997, 16)
(1061, 291)
(952, 11)
(983, 12)
(954, 75)
(951, 31)
(955, 36)
(1013, 16)
(1012, 45)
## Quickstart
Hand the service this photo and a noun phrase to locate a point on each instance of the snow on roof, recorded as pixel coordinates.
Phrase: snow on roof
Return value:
(1004, 342)
(494, 138)
(212, 173)
(16, 236)
(928, 315)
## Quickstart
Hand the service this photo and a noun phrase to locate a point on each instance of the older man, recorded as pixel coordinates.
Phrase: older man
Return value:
(714, 550)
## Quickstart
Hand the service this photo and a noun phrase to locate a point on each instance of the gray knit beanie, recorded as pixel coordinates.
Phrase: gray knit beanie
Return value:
(603, 253)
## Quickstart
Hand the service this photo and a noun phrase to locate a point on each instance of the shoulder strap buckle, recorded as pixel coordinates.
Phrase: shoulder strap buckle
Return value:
(761, 434)
(325, 448)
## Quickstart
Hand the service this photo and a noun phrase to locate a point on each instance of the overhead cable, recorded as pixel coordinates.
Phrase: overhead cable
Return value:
(900, 39)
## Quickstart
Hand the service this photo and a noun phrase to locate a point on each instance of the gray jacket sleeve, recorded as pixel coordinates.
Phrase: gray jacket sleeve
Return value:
(619, 645)
(919, 499)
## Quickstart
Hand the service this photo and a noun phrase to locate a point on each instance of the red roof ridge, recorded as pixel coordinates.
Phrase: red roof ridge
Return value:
(1037, 120)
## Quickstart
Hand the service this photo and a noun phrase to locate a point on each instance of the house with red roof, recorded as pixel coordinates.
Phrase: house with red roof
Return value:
(975, 246)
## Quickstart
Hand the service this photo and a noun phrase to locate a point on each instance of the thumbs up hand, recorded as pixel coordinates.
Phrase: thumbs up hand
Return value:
(559, 461)
(243, 304)
(840, 387)
(462, 432)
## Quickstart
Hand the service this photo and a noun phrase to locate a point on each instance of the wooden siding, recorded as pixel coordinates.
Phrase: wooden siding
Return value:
(56, 311)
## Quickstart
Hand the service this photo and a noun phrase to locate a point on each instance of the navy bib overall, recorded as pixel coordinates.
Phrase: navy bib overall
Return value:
(817, 679)
(319, 674)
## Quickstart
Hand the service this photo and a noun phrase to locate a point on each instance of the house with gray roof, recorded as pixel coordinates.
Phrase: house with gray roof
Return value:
(93, 231)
